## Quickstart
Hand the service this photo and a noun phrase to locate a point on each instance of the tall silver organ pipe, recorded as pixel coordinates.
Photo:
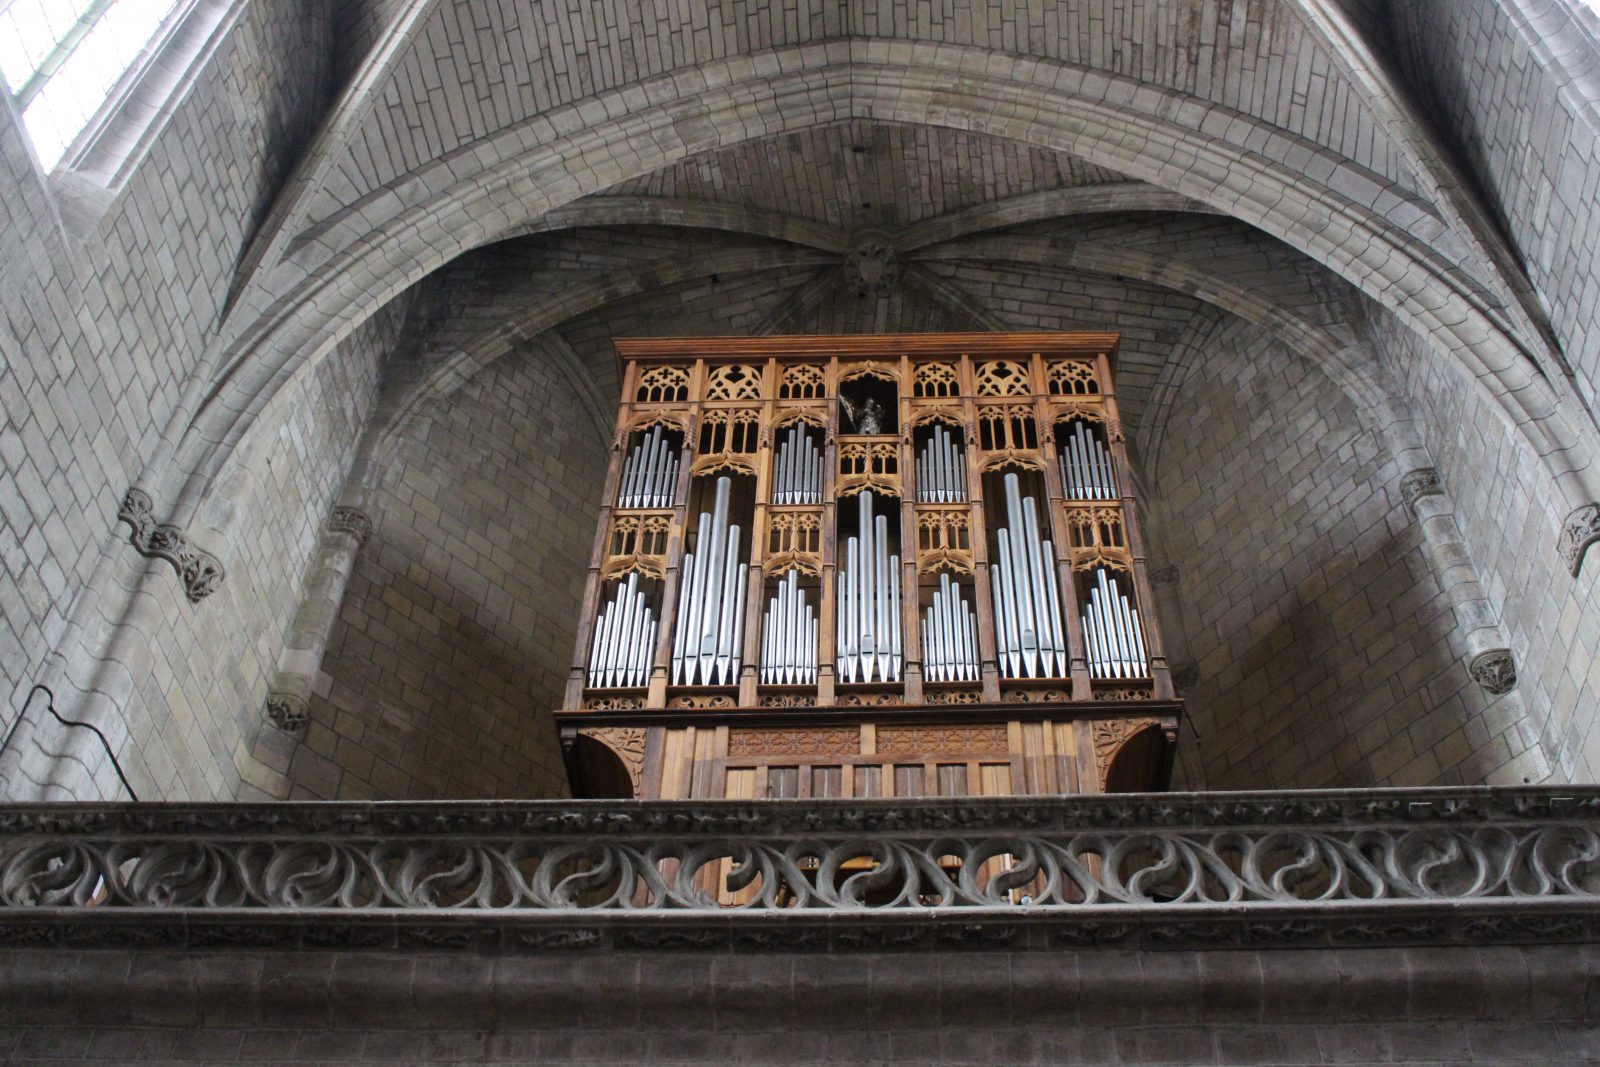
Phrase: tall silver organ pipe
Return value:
(789, 636)
(708, 632)
(1086, 466)
(941, 469)
(624, 639)
(1030, 640)
(1112, 633)
(949, 636)
(869, 628)
(797, 473)
(650, 475)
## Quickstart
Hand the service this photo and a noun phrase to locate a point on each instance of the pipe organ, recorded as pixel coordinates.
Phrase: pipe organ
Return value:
(868, 566)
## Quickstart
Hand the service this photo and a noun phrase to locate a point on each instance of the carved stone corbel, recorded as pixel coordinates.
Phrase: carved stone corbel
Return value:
(1580, 530)
(287, 712)
(351, 521)
(1495, 671)
(198, 570)
(1424, 481)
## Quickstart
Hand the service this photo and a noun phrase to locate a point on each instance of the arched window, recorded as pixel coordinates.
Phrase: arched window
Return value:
(63, 60)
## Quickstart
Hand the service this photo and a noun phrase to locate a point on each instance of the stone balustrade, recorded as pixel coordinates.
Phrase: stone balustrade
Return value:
(1297, 869)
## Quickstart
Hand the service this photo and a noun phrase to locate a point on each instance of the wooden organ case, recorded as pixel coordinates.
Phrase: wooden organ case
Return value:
(868, 566)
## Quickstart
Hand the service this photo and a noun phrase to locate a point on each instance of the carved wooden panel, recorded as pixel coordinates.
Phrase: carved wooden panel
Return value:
(980, 739)
(796, 742)
(729, 439)
(662, 385)
(734, 381)
(638, 543)
(794, 539)
(1009, 434)
(1110, 735)
(702, 701)
(803, 382)
(932, 380)
(1096, 538)
(1003, 377)
(1073, 377)
(944, 540)
(627, 742)
(869, 465)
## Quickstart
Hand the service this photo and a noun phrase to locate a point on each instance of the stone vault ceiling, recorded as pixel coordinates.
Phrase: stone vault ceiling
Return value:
(867, 174)
(626, 166)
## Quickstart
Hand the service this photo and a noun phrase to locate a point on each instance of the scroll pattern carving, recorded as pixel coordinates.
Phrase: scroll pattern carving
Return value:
(788, 700)
(954, 696)
(199, 571)
(628, 744)
(869, 700)
(701, 701)
(614, 703)
(1110, 735)
(1339, 867)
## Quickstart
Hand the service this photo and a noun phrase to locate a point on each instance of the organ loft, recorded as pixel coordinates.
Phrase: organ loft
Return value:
(868, 566)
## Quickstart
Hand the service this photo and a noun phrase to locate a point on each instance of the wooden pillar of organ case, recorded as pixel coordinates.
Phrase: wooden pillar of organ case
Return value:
(1102, 717)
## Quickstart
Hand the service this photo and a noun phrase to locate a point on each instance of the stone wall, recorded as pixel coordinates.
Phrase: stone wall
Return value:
(1326, 654)
(104, 323)
(1434, 1006)
(457, 629)
(1509, 513)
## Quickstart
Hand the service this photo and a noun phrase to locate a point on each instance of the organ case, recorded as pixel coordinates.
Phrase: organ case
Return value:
(861, 566)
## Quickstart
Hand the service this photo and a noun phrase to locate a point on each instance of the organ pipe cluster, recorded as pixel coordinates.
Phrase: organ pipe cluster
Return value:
(1086, 466)
(708, 633)
(949, 636)
(1112, 635)
(650, 477)
(789, 636)
(941, 470)
(1029, 637)
(624, 635)
(869, 630)
(797, 478)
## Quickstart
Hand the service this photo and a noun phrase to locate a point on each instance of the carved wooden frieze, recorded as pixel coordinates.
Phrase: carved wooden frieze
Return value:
(796, 743)
(980, 739)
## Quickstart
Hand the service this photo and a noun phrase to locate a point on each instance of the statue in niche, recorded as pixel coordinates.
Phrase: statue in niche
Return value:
(866, 417)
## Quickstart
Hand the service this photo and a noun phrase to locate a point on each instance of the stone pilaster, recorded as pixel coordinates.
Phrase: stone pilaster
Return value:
(289, 700)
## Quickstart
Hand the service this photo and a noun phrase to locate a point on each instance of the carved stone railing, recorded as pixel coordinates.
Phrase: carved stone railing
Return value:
(1346, 868)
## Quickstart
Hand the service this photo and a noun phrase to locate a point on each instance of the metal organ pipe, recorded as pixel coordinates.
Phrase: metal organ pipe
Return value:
(869, 628)
(1112, 631)
(797, 477)
(624, 639)
(789, 630)
(941, 470)
(1086, 466)
(1030, 639)
(948, 653)
(650, 475)
(709, 635)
